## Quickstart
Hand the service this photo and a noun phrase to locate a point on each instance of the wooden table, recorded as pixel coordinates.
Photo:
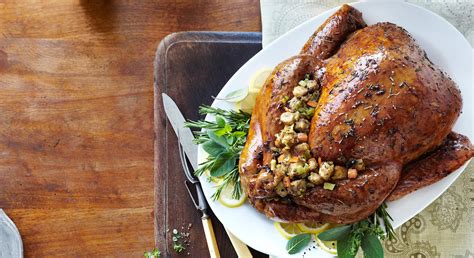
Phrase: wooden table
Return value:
(76, 117)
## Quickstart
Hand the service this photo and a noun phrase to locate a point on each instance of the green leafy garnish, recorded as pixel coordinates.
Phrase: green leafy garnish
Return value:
(297, 243)
(335, 233)
(366, 234)
(153, 254)
(344, 247)
(371, 246)
(223, 139)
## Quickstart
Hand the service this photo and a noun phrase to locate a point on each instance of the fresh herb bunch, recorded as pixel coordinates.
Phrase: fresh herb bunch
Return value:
(223, 139)
(366, 234)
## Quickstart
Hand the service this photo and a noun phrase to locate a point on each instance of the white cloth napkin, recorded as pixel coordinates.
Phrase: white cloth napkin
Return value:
(280, 16)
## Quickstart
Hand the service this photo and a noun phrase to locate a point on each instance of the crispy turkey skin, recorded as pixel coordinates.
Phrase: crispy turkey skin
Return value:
(380, 99)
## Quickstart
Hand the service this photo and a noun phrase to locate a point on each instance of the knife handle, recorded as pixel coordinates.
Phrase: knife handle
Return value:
(240, 248)
(210, 237)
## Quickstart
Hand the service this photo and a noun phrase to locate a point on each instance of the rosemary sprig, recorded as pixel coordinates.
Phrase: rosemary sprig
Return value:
(233, 179)
(223, 139)
(387, 219)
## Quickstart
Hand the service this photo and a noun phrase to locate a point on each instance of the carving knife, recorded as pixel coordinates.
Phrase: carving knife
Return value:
(186, 137)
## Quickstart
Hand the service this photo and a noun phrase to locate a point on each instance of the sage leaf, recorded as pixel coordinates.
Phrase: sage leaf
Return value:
(335, 233)
(225, 130)
(223, 164)
(218, 139)
(344, 247)
(231, 139)
(371, 246)
(212, 148)
(298, 243)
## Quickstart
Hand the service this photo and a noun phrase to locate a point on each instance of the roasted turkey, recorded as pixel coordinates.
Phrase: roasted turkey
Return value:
(360, 116)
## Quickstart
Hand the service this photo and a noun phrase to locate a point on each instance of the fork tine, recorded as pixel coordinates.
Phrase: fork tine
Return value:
(184, 163)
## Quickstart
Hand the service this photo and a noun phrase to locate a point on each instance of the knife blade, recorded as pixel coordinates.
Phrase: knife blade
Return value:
(177, 120)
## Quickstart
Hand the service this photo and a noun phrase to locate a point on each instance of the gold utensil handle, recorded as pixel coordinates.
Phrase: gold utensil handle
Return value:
(240, 248)
(210, 237)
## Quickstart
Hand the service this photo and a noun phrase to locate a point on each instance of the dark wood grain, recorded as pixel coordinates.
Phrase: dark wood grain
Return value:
(76, 117)
(190, 68)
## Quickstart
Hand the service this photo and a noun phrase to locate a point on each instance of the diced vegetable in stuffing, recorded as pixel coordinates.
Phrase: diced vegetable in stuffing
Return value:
(288, 118)
(301, 149)
(284, 157)
(298, 187)
(302, 137)
(352, 173)
(359, 165)
(311, 84)
(286, 138)
(339, 173)
(299, 91)
(313, 164)
(281, 190)
(298, 169)
(302, 125)
(273, 164)
(295, 104)
(329, 186)
(326, 170)
(315, 178)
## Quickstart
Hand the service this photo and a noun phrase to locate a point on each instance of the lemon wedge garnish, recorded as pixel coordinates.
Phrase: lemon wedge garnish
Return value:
(314, 227)
(227, 200)
(287, 230)
(327, 246)
(256, 83)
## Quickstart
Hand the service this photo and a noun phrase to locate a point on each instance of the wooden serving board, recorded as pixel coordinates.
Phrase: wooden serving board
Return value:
(190, 67)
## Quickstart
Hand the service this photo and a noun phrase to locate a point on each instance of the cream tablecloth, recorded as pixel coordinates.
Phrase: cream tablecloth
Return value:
(446, 227)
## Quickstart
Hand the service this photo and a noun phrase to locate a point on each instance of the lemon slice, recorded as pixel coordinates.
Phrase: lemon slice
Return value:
(288, 230)
(248, 102)
(227, 200)
(314, 227)
(256, 83)
(235, 96)
(327, 246)
(259, 78)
